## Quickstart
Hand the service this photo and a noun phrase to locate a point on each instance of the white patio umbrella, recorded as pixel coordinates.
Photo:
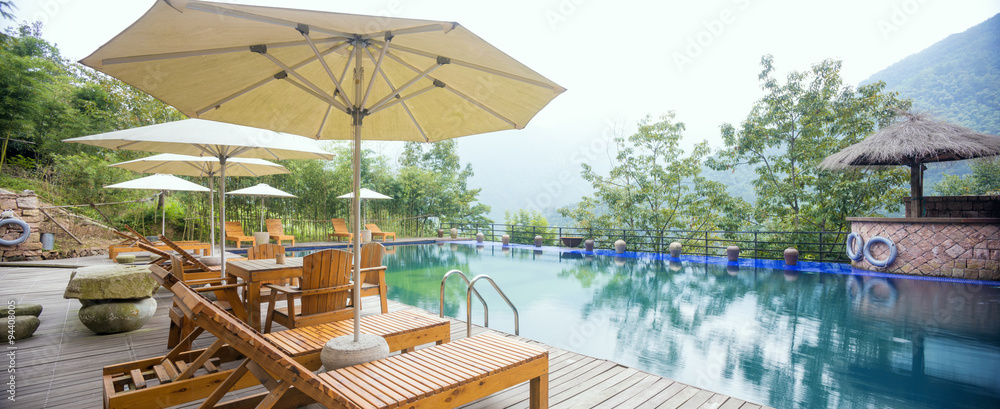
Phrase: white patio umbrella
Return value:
(206, 166)
(263, 190)
(365, 194)
(209, 138)
(323, 74)
(161, 183)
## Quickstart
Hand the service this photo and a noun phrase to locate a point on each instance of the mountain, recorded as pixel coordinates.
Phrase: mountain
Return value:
(956, 80)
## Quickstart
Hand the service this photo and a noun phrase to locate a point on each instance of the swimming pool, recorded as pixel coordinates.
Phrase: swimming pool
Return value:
(813, 337)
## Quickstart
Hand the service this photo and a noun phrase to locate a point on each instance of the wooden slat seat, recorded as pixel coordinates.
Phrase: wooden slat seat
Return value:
(448, 375)
(234, 232)
(277, 232)
(340, 230)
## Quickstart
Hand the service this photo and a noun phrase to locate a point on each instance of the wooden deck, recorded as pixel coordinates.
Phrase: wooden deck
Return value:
(60, 366)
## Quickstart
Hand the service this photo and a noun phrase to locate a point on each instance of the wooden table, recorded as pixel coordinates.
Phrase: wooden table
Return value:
(253, 272)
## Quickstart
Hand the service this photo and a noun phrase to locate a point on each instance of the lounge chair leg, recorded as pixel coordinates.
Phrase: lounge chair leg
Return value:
(539, 388)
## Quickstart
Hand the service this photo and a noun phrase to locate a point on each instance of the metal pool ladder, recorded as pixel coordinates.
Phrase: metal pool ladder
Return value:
(468, 300)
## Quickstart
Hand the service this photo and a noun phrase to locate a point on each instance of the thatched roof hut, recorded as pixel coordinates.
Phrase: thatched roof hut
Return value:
(913, 141)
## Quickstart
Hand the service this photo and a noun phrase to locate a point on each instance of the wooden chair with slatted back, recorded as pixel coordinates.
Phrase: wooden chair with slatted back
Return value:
(373, 273)
(277, 232)
(323, 293)
(267, 251)
(234, 232)
(188, 258)
(340, 230)
(377, 232)
(225, 296)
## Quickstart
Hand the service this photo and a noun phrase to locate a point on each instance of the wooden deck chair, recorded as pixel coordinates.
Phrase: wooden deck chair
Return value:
(323, 293)
(210, 282)
(132, 239)
(234, 232)
(377, 232)
(443, 376)
(277, 232)
(340, 230)
(187, 257)
(267, 251)
(156, 382)
(373, 273)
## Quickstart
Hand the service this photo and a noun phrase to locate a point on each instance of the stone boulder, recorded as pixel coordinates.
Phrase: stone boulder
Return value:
(24, 326)
(28, 309)
(112, 317)
(111, 282)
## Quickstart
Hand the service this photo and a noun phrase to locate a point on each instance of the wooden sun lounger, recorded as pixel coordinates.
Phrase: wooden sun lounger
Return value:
(155, 382)
(132, 241)
(447, 375)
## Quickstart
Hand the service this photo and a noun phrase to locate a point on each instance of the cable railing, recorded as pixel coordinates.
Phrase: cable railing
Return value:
(825, 246)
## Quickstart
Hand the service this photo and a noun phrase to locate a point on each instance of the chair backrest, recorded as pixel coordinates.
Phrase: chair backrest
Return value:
(371, 256)
(184, 254)
(340, 226)
(234, 229)
(373, 228)
(239, 335)
(138, 236)
(264, 251)
(324, 269)
(274, 227)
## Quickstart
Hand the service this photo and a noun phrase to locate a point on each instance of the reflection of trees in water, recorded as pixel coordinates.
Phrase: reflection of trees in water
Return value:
(810, 339)
(417, 270)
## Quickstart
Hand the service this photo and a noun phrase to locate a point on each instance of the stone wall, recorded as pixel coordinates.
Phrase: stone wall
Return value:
(25, 206)
(959, 206)
(960, 248)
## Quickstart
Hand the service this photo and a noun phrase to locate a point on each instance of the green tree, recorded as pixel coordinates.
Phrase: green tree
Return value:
(795, 126)
(984, 180)
(654, 186)
(432, 181)
(524, 225)
(6, 10)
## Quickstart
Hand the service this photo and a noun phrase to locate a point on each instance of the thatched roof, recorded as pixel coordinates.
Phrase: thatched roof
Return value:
(915, 139)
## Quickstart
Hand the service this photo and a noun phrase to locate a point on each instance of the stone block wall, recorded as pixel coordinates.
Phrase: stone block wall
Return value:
(959, 206)
(25, 206)
(940, 247)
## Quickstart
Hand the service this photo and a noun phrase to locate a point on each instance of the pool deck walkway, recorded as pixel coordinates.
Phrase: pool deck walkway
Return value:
(60, 366)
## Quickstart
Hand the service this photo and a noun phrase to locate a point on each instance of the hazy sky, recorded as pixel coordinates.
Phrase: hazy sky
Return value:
(620, 60)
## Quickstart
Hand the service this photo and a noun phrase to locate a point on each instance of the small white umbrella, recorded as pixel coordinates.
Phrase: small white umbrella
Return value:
(365, 194)
(263, 190)
(209, 166)
(161, 183)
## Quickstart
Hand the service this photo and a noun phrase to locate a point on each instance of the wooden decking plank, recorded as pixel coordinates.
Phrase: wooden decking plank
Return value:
(679, 398)
(697, 400)
(714, 402)
(596, 396)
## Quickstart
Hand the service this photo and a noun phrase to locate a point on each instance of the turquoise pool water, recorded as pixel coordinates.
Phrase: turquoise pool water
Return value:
(789, 339)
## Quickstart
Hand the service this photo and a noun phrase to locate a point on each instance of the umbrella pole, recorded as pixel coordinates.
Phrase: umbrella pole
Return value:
(356, 201)
(916, 190)
(262, 214)
(163, 213)
(222, 213)
(211, 209)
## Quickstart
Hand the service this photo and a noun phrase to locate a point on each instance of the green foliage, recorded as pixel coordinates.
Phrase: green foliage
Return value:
(524, 225)
(794, 127)
(984, 180)
(655, 187)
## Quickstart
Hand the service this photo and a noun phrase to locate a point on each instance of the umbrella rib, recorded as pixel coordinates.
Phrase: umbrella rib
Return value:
(298, 76)
(264, 81)
(378, 68)
(408, 84)
(322, 123)
(255, 17)
(481, 68)
(305, 33)
(403, 103)
(403, 99)
(200, 53)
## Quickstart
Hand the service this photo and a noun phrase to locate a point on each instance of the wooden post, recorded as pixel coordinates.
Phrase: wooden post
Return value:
(916, 191)
(60, 225)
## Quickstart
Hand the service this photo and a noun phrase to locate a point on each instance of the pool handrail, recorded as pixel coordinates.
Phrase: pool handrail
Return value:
(468, 300)
(486, 308)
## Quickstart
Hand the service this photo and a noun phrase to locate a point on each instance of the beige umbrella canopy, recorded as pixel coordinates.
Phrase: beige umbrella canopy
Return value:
(325, 75)
(263, 190)
(913, 141)
(162, 183)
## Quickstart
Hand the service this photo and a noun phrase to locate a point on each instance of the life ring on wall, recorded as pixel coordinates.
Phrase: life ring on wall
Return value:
(25, 232)
(853, 254)
(880, 263)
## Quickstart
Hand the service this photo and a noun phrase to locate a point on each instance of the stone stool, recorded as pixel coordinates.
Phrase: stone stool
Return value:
(115, 298)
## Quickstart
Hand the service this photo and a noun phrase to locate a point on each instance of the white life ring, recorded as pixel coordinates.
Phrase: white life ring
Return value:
(880, 263)
(853, 254)
(25, 232)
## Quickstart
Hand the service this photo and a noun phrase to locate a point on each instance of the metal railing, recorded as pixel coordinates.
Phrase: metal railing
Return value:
(813, 246)
(486, 308)
(468, 301)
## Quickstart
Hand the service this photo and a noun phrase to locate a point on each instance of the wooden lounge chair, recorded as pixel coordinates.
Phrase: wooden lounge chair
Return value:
(373, 273)
(210, 282)
(324, 292)
(277, 232)
(442, 376)
(234, 232)
(157, 382)
(377, 232)
(340, 230)
(187, 257)
(133, 238)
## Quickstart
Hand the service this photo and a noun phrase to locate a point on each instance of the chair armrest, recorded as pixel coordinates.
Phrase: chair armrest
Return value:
(284, 289)
(327, 290)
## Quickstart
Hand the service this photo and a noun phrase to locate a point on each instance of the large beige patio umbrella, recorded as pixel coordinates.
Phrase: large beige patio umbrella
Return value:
(209, 138)
(326, 75)
(366, 194)
(162, 183)
(914, 141)
(262, 190)
(202, 166)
